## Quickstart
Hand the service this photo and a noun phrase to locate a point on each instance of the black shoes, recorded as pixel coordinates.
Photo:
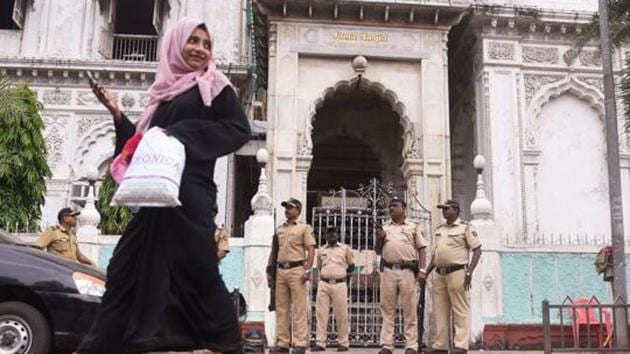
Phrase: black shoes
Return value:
(434, 351)
(299, 350)
(385, 351)
(411, 351)
(279, 350)
(459, 351)
(342, 348)
(317, 348)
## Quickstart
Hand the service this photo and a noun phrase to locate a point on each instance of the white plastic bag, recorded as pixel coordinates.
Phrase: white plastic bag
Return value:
(154, 173)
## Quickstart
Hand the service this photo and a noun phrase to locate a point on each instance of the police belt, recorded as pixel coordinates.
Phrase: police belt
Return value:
(289, 265)
(411, 265)
(333, 281)
(450, 269)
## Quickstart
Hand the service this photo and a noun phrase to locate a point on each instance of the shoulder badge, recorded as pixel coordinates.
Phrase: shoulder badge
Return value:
(474, 233)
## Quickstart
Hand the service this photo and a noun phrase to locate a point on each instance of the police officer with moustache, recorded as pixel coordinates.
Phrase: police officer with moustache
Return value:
(61, 240)
(454, 241)
(296, 251)
(402, 248)
(335, 263)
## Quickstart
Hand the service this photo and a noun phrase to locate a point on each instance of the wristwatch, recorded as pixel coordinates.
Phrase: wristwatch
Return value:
(468, 274)
(423, 271)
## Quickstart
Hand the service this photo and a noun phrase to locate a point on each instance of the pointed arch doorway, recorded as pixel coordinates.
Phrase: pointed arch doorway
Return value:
(356, 136)
(358, 139)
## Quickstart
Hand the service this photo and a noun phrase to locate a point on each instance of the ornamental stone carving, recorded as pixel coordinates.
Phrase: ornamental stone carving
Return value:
(534, 82)
(501, 51)
(257, 278)
(54, 136)
(590, 58)
(86, 99)
(144, 100)
(56, 97)
(578, 88)
(85, 124)
(54, 145)
(413, 150)
(127, 101)
(596, 82)
(569, 56)
(541, 55)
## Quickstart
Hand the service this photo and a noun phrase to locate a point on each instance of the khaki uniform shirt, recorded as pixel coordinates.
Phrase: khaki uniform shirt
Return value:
(402, 242)
(59, 241)
(453, 243)
(222, 239)
(293, 240)
(333, 262)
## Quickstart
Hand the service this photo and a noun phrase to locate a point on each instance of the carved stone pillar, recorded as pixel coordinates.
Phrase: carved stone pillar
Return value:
(89, 219)
(259, 229)
(486, 293)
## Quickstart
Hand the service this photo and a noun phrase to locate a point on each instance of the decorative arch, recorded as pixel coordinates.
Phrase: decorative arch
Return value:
(411, 146)
(87, 144)
(572, 85)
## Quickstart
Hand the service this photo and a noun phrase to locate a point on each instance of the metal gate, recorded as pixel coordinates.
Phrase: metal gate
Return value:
(355, 213)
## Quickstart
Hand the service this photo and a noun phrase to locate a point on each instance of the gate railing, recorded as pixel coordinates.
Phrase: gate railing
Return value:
(581, 325)
(356, 215)
(135, 47)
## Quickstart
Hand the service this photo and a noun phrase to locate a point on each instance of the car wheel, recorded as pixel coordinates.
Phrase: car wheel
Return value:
(23, 329)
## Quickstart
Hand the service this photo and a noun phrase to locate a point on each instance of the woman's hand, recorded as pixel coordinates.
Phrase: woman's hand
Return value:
(107, 99)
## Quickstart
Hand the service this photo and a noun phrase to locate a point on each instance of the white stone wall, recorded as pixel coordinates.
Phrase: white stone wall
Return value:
(572, 169)
(540, 124)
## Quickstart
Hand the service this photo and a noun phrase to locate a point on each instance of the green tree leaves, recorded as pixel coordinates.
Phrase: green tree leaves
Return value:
(113, 219)
(23, 166)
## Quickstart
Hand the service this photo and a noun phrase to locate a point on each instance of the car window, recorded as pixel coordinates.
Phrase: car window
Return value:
(7, 238)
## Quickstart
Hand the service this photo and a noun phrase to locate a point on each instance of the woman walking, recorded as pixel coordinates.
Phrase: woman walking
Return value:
(164, 291)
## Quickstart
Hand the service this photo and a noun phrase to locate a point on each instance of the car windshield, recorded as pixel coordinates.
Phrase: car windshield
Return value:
(7, 238)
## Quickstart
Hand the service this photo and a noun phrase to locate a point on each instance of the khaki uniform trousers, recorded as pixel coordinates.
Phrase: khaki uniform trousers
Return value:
(393, 283)
(449, 294)
(337, 294)
(291, 291)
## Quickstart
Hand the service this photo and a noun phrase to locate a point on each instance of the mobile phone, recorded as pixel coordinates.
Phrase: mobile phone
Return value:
(91, 78)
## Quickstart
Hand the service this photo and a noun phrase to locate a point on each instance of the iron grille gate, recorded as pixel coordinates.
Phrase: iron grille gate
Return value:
(355, 213)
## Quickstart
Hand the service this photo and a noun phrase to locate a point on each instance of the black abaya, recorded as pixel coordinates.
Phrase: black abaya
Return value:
(164, 291)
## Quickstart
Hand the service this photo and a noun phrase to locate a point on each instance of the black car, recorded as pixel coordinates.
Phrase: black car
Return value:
(47, 303)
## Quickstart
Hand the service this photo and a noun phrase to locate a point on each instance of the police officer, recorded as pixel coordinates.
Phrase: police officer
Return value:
(61, 240)
(335, 264)
(221, 237)
(401, 245)
(453, 272)
(296, 251)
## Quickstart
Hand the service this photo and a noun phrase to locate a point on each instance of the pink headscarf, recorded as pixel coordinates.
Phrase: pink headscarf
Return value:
(173, 78)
